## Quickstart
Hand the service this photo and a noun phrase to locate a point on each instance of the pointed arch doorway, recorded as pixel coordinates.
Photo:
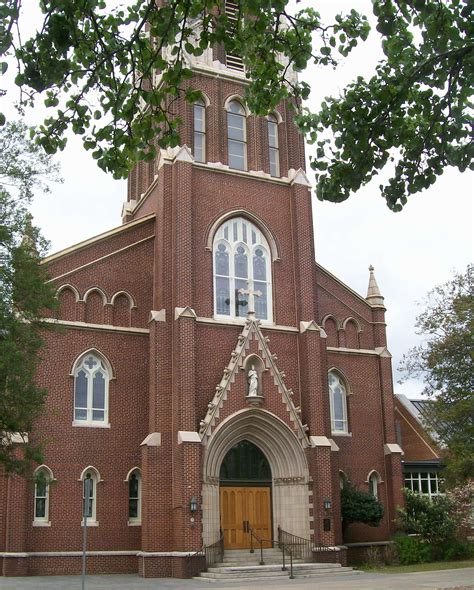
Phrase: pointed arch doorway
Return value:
(245, 484)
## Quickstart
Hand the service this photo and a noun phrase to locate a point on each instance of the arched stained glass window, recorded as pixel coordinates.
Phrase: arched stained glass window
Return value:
(91, 385)
(134, 496)
(338, 403)
(241, 262)
(43, 476)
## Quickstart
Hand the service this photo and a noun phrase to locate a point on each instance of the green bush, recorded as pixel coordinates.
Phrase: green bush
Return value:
(357, 506)
(412, 550)
(457, 550)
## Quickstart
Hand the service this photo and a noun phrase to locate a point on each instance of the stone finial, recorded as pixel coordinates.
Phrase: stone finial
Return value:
(374, 297)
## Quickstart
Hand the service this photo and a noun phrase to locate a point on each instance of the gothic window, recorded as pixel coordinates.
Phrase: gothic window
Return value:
(91, 390)
(199, 131)
(337, 403)
(236, 136)
(134, 496)
(43, 476)
(274, 152)
(241, 262)
(374, 480)
(90, 478)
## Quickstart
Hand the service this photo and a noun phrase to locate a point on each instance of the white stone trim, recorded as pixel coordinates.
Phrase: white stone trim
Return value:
(254, 174)
(68, 553)
(392, 448)
(68, 286)
(298, 177)
(186, 436)
(157, 316)
(164, 553)
(312, 326)
(320, 441)
(41, 523)
(334, 446)
(241, 322)
(87, 326)
(353, 350)
(383, 352)
(152, 440)
(184, 312)
(287, 460)
(90, 424)
(100, 259)
(98, 238)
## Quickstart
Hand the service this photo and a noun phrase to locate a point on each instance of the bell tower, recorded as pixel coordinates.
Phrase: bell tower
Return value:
(233, 242)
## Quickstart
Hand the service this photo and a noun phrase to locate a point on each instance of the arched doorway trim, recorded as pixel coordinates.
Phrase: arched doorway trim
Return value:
(288, 464)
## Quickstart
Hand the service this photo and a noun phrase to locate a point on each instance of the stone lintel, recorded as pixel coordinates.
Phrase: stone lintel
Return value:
(152, 440)
(187, 436)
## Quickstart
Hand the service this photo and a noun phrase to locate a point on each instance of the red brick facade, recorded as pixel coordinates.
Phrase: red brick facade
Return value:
(141, 296)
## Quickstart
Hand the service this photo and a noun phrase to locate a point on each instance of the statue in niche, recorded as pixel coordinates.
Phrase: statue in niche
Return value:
(252, 378)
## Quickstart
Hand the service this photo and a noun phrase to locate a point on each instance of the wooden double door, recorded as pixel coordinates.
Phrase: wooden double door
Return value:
(241, 504)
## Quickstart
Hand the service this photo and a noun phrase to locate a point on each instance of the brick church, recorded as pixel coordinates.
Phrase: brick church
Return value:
(208, 373)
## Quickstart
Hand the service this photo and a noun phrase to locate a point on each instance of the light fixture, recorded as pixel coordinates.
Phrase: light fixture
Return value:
(193, 505)
(327, 504)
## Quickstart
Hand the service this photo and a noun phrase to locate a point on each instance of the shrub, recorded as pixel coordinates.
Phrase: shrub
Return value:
(357, 506)
(457, 550)
(412, 550)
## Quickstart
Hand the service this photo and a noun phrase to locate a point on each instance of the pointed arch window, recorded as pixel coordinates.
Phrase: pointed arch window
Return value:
(373, 481)
(90, 475)
(91, 391)
(43, 476)
(338, 403)
(274, 151)
(199, 138)
(134, 497)
(241, 261)
(236, 136)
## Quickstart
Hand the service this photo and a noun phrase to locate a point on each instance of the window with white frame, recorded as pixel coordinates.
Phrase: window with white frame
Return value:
(274, 152)
(91, 390)
(90, 476)
(337, 403)
(374, 480)
(134, 496)
(423, 482)
(242, 262)
(236, 135)
(43, 477)
(199, 139)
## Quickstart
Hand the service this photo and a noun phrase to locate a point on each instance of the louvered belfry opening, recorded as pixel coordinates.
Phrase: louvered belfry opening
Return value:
(233, 61)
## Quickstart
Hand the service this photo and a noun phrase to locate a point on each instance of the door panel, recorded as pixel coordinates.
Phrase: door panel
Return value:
(245, 503)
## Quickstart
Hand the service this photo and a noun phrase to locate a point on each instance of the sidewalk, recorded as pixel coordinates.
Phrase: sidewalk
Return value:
(457, 579)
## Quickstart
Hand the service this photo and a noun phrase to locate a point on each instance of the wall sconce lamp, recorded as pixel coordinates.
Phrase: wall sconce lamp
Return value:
(193, 505)
(327, 504)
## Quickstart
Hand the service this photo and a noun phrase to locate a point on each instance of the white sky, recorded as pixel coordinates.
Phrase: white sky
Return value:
(411, 251)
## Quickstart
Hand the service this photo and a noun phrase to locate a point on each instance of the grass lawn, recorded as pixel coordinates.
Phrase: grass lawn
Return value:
(417, 567)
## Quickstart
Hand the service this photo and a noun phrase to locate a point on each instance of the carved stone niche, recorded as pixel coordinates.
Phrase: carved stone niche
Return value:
(254, 368)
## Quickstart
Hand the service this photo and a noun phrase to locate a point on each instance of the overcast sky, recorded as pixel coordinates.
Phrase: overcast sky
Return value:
(411, 251)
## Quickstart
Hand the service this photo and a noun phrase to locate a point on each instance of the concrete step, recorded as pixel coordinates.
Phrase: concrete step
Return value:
(271, 572)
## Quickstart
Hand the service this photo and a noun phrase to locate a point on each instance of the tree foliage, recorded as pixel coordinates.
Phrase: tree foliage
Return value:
(24, 293)
(358, 506)
(445, 361)
(95, 65)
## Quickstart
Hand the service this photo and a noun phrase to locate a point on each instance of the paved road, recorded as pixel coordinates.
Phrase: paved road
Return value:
(458, 579)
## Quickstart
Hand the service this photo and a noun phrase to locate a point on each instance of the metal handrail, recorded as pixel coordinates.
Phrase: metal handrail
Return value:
(213, 553)
(302, 548)
(281, 544)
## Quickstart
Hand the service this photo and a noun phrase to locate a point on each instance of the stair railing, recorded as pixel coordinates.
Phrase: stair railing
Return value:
(286, 549)
(301, 548)
(214, 553)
